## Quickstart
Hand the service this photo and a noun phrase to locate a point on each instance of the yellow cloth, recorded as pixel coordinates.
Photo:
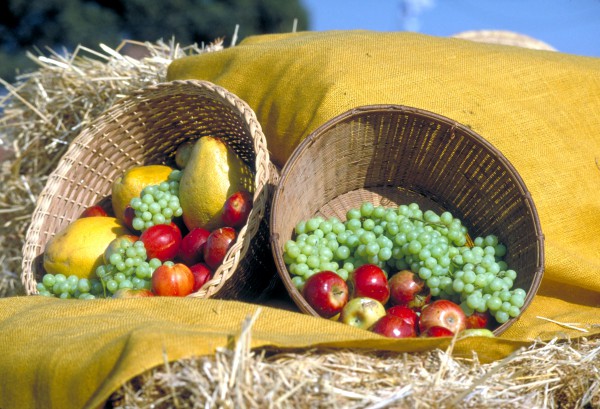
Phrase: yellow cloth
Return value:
(76, 353)
(541, 109)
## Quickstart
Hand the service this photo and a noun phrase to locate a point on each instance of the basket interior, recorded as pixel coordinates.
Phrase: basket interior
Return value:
(393, 155)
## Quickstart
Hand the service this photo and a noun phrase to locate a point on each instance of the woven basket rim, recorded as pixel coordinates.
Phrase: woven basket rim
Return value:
(239, 249)
(402, 109)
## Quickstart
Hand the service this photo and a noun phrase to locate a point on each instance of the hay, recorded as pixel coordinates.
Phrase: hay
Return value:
(46, 109)
(546, 375)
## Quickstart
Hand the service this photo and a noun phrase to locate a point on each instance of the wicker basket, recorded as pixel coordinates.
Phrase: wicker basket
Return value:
(145, 128)
(391, 155)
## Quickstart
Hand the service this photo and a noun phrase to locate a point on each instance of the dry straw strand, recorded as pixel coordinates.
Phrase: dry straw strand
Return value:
(559, 373)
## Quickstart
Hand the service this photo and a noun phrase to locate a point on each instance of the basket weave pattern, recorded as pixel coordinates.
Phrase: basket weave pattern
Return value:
(392, 155)
(146, 128)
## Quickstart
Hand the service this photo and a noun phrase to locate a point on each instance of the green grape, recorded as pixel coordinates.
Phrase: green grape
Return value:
(367, 237)
(48, 280)
(313, 224)
(342, 253)
(513, 311)
(342, 237)
(301, 258)
(343, 273)
(353, 214)
(372, 249)
(298, 282)
(368, 224)
(501, 316)
(325, 226)
(384, 254)
(300, 228)
(494, 303)
(366, 209)
(319, 234)
(125, 284)
(84, 285)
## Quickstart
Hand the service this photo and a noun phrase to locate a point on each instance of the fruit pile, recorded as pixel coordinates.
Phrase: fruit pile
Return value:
(164, 231)
(401, 271)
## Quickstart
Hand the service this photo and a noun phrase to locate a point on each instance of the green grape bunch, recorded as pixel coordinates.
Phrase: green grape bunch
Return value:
(434, 246)
(157, 204)
(126, 266)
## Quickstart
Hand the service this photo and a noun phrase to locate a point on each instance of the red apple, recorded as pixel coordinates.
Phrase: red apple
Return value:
(326, 292)
(162, 241)
(94, 211)
(236, 209)
(442, 313)
(362, 312)
(393, 326)
(369, 280)
(128, 216)
(407, 288)
(114, 245)
(478, 320)
(131, 293)
(407, 314)
(201, 274)
(217, 244)
(436, 331)
(171, 279)
(191, 250)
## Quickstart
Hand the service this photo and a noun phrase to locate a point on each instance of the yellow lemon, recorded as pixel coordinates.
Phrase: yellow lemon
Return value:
(213, 173)
(131, 184)
(79, 247)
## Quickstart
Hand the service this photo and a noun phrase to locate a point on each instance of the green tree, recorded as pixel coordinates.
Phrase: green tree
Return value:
(27, 25)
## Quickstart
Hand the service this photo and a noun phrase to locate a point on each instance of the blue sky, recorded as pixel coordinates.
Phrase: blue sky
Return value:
(571, 26)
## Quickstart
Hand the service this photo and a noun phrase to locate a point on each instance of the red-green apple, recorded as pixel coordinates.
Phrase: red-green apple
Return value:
(436, 331)
(369, 280)
(237, 209)
(442, 313)
(191, 250)
(94, 211)
(326, 292)
(217, 244)
(393, 326)
(407, 314)
(478, 319)
(201, 274)
(362, 312)
(131, 293)
(172, 279)
(162, 241)
(476, 332)
(407, 288)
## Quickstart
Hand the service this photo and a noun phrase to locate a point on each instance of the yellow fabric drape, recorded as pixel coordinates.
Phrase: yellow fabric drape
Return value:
(541, 109)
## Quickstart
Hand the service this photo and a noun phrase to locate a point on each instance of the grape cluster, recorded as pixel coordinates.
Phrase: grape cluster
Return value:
(127, 266)
(157, 204)
(436, 247)
(59, 285)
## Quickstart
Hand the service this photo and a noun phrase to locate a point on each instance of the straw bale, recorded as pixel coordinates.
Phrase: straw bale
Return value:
(556, 374)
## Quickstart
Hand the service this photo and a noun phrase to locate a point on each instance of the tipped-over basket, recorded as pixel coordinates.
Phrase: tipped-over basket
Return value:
(392, 155)
(146, 128)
